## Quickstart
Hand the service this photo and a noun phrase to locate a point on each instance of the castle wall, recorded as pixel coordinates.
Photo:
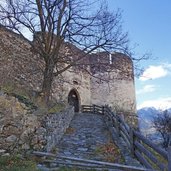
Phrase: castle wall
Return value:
(120, 95)
(76, 80)
(116, 89)
(17, 62)
(19, 65)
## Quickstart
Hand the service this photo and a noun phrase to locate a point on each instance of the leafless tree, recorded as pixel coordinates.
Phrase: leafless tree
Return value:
(162, 123)
(57, 23)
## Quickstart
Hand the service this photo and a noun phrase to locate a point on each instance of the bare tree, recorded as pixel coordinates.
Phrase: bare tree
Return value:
(56, 24)
(162, 123)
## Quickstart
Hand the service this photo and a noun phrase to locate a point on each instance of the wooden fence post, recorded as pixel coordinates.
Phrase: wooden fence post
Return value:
(94, 109)
(103, 110)
(169, 157)
(117, 126)
(131, 134)
(82, 108)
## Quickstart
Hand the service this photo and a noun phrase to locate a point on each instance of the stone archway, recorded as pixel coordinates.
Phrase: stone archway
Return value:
(73, 99)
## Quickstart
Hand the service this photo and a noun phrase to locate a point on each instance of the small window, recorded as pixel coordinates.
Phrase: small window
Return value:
(75, 82)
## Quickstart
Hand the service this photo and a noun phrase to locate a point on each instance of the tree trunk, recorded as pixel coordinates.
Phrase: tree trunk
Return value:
(47, 81)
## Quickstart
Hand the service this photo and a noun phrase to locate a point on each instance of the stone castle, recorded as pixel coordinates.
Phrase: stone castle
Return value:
(18, 64)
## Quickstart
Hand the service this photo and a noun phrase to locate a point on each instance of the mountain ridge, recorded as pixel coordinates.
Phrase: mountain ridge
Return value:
(146, 117)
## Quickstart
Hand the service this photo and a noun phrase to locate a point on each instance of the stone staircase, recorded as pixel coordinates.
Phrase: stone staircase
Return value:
(86, 134)
(82, 146)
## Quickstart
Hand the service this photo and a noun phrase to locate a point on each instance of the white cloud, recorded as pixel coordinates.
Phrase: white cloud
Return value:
(162, 103)
(154, 72)
(146, 89)
(167, 66)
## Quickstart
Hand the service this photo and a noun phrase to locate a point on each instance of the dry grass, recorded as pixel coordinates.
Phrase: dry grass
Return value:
(110, 152)
(70, 130)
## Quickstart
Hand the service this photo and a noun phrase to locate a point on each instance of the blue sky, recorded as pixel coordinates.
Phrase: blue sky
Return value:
(149, 26)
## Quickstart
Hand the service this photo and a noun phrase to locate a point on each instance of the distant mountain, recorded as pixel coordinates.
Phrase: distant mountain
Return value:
(148, 113)
(169, 110)
(145, 119)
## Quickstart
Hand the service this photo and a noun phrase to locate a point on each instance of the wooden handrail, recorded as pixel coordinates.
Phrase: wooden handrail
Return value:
(150, 144)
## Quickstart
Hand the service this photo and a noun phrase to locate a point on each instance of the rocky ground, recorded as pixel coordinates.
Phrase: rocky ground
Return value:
(88, 138)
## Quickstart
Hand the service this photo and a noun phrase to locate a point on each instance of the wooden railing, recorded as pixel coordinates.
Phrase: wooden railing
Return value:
(148, 153)
(92, 109)
(72, 162)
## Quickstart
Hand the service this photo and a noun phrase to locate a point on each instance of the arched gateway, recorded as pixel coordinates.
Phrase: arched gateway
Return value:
(73, 99)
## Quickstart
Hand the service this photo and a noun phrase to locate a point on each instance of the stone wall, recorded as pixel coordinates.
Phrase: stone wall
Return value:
(56, 125)
(20, 67)
(79, 81)
(116, 89)
(17, 125)
(23, 128)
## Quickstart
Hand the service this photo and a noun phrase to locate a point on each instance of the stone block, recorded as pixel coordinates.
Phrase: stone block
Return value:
(11, 139)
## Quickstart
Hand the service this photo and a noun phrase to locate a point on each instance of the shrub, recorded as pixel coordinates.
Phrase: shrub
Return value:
(17, 163)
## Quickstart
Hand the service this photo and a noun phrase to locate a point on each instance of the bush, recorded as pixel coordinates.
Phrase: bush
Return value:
(17, 163)
(162, 124)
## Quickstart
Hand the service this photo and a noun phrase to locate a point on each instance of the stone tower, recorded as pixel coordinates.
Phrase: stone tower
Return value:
(116, 87)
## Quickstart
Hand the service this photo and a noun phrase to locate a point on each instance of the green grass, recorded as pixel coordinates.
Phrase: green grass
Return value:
(73, 169)
(34, 102)
(13, 88)
(22, 94)
(56, 108)
(16, 163)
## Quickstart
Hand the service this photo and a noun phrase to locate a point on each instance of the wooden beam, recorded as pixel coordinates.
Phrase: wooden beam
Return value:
(105, 164)
(169, 157)
(149, 155)
(150, 144)
(143, 160)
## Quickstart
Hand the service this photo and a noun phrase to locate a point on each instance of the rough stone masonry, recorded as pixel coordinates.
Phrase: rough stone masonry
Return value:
(23, 129)
(18, 64)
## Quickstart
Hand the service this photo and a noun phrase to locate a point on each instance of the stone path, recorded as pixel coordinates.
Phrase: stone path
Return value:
(86, 134)
(86, 138)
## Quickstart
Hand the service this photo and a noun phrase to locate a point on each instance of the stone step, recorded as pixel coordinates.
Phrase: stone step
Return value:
(88, 137)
